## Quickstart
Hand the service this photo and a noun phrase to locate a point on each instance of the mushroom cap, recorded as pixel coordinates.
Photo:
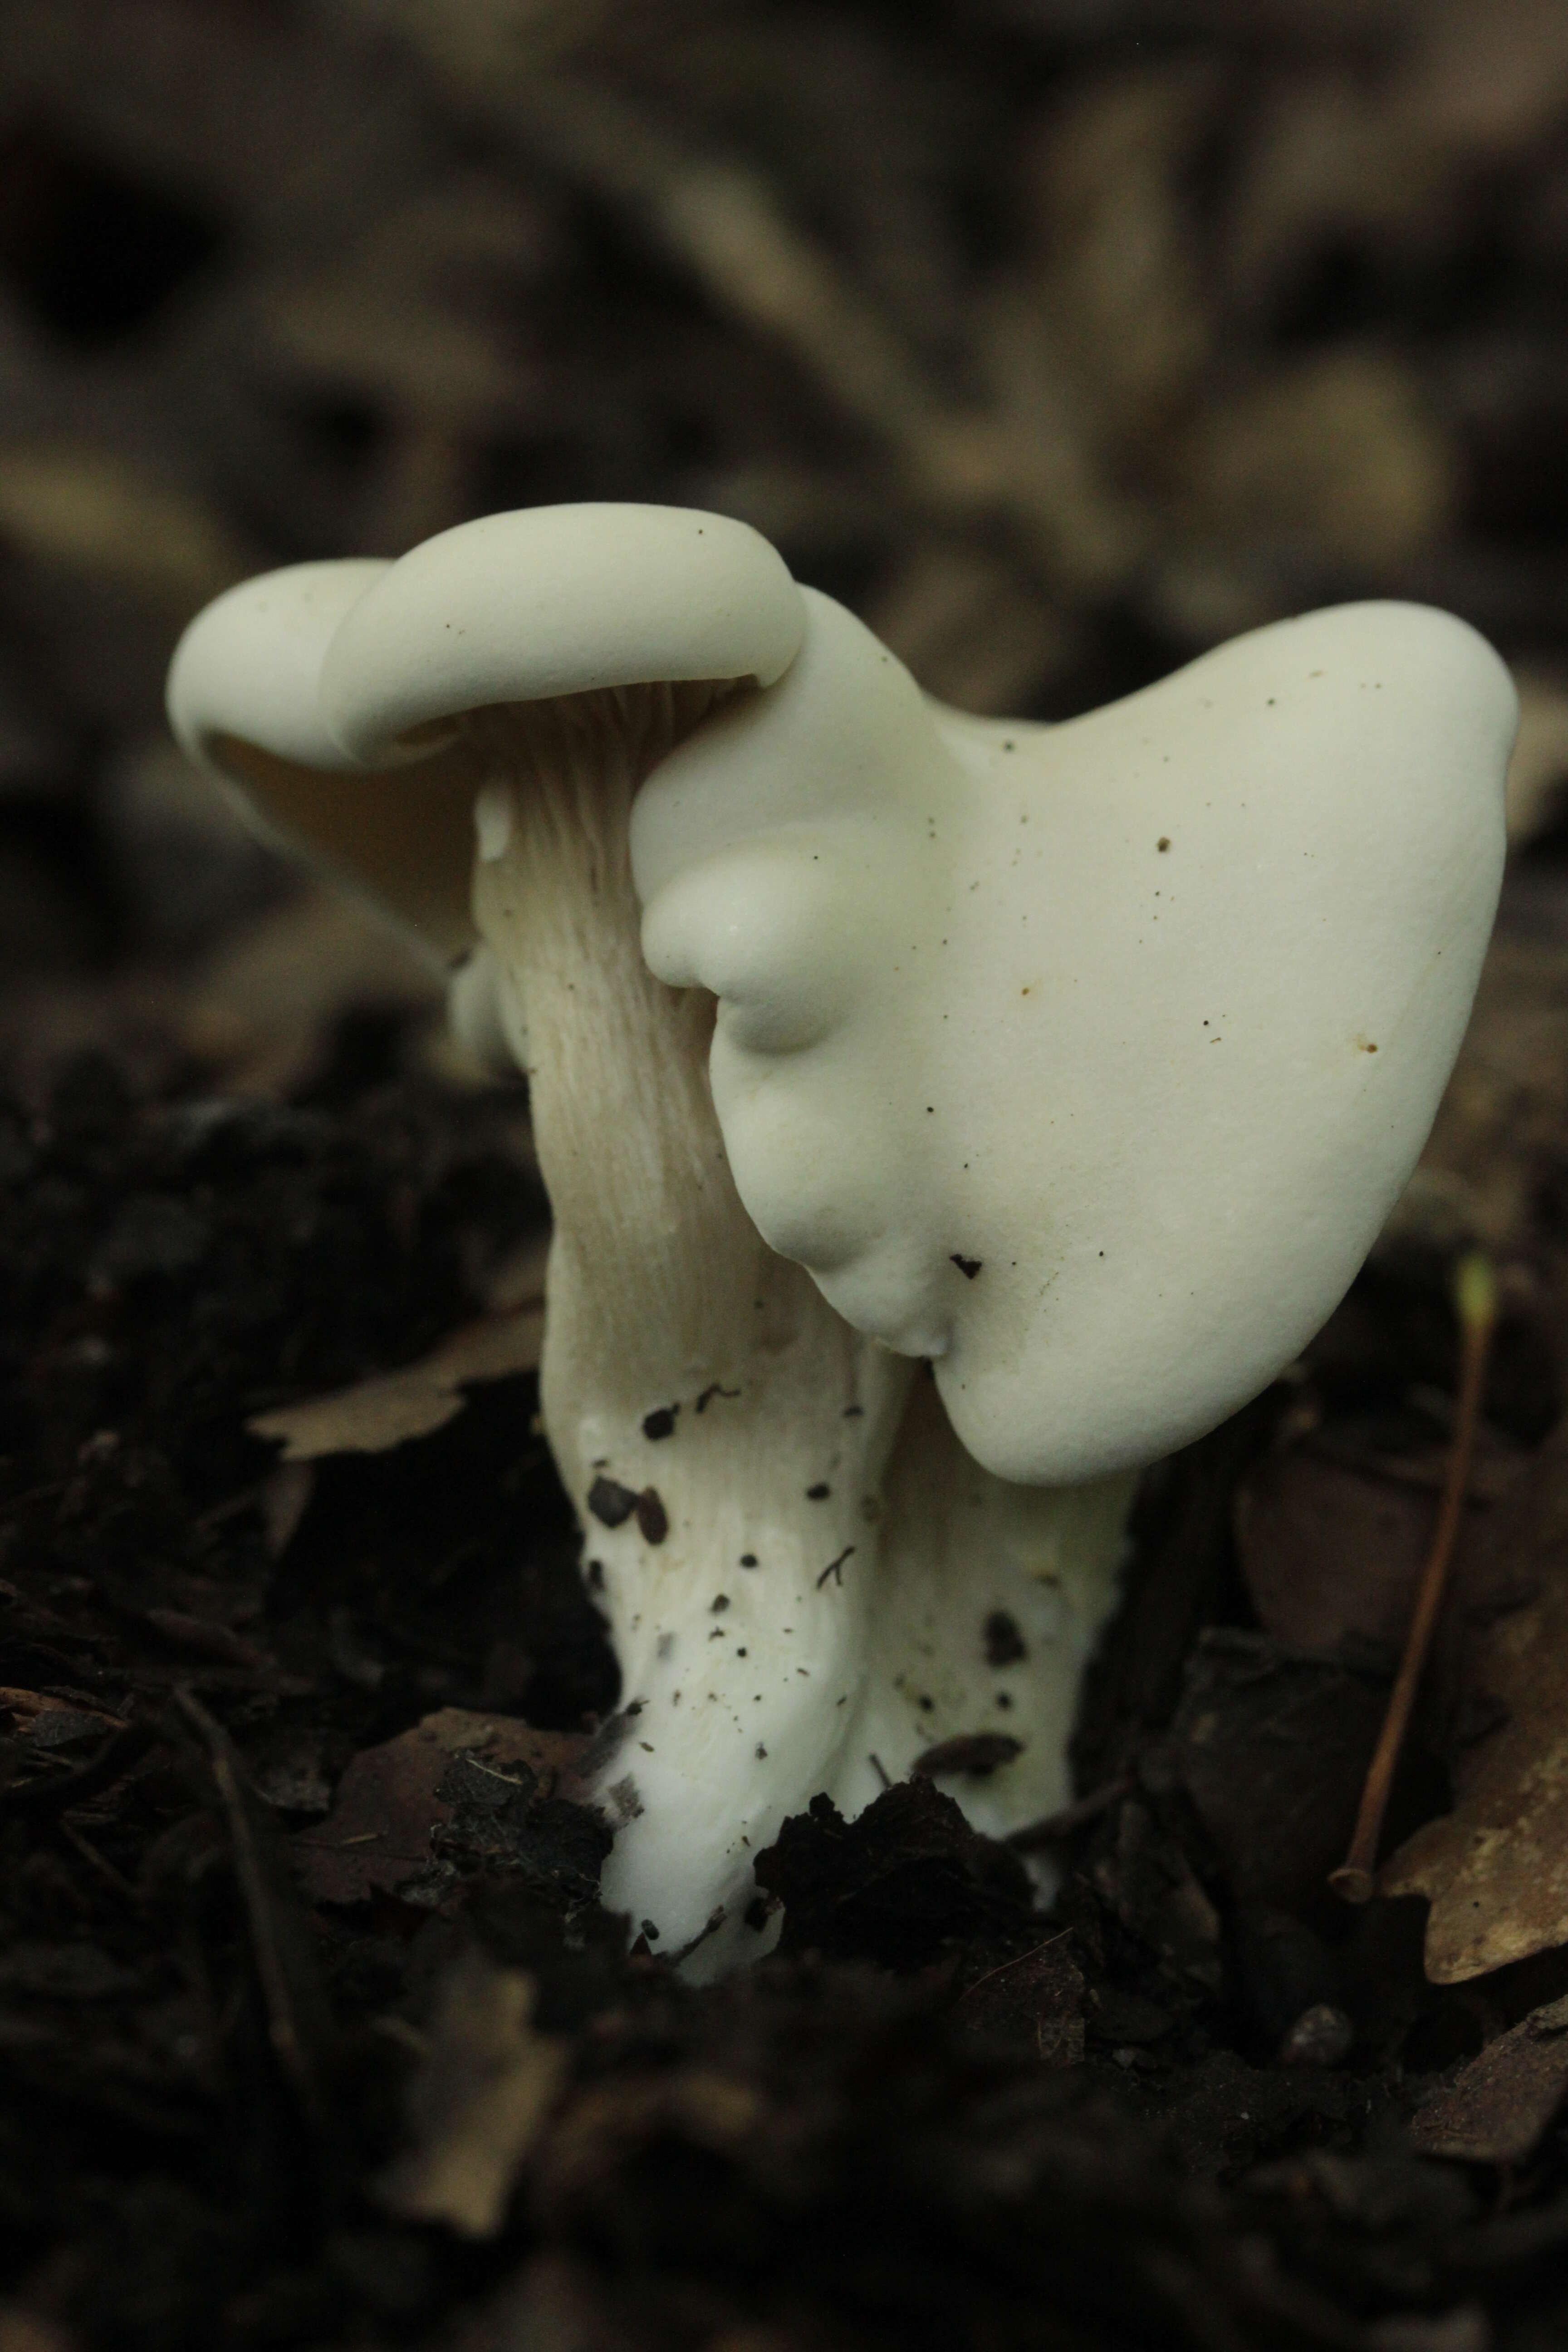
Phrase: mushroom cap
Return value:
(1088, 1060)
(310, 684)
(249, 663)
(554, 601)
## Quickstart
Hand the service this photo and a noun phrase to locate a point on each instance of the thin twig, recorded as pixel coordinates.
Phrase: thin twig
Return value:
(1004, 1967)
(1474, 1294)
(98, 1863)
(277, 1992)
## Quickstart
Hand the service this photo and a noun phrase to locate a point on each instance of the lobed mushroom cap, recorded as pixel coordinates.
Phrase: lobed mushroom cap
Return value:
(1088, 1060)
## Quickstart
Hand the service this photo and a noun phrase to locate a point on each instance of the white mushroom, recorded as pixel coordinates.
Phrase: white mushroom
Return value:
(1083, 1062)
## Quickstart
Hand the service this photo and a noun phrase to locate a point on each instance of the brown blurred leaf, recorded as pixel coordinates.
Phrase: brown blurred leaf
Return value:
(975, 632)
(389, 1408)
(1330, 1551)
(1488, 79)
(80, 510)
(1496, 1868)
(1341, 453)
(478, 2102)
(1498, 2107)
(378, 1832)
(32, 1706)
(1272, 1749)
(269, 993)
(1106, 197)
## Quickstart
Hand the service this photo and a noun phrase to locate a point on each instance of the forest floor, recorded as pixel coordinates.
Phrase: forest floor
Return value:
(313, 2030)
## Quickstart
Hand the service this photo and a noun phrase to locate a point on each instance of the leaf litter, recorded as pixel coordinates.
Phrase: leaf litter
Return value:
(1495, 1870)
(339, 1883)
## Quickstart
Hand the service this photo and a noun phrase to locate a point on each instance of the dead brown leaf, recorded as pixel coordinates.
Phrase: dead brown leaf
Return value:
(1495, 1870)
(1272, 1749)
(389, 1408)
(78, 508)
(29, 1704)
(1331, 1538)
(1330, 1552)
(478, 2102)
(377, 1834)
(1342, 451)
(1498, 2107)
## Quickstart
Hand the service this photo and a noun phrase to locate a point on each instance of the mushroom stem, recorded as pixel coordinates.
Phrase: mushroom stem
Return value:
(992, 1598)
(722, 1432)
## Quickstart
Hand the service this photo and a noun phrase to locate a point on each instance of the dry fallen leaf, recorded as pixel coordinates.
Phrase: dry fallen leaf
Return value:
(1272, 1747)
(1497, 2108)
(477, 2100)
(1495, 1870)
(1340, 451)
(81, 508)
(377, 1834)
(1330, 1551)
(31, 1706)
(389, 1408)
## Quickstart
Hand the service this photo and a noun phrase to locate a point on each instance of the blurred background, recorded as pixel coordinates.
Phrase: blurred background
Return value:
(1060, 338)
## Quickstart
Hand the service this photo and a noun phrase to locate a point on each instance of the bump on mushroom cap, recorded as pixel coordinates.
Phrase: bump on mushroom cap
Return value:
(553, 601)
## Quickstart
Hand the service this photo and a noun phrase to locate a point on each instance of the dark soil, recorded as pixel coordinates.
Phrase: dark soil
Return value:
(937, 2117)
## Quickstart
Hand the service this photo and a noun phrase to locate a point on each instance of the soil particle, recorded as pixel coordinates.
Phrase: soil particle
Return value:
(653, 1521)
(905, 1881)
(611, 1503)
(972, 1754)
(1004, 1645)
